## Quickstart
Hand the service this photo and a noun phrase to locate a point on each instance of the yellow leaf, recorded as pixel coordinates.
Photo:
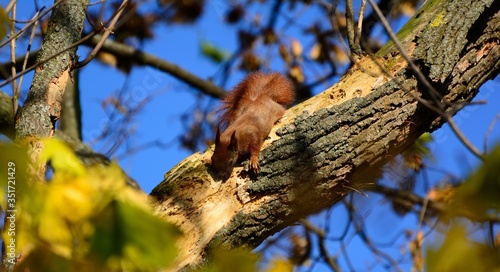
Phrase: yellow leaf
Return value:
(61, 157)
(54, 232)
(280, 265)
(73, 200)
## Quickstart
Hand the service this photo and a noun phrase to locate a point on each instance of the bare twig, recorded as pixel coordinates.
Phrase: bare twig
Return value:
(438, 207)
(349, 15)
(96, 3)
(331, 11)
(47, 59)
(5, 67)
(13, 58)
(462, 137)
(31, 23)
(488, 132)
(359, 223)
(25, 62)
(10, 5)
(142, 58)
(357, 38)
(107, 32)
(124, 51)
(331, 261)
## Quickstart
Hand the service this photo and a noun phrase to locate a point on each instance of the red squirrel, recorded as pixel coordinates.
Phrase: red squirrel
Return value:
(247, 115)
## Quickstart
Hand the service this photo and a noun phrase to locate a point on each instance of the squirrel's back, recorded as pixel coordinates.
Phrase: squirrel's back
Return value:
(255, 86)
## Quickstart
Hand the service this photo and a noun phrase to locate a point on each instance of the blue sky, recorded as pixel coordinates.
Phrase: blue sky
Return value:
(160, 120)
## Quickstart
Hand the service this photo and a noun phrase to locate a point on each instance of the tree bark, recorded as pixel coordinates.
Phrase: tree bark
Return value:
(42, 108)
(337, 141)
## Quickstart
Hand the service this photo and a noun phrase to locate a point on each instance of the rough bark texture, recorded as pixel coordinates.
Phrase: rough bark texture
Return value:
(338, 140)
(43, 104)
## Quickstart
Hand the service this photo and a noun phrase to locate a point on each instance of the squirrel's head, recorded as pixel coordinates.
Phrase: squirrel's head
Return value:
(226, 152)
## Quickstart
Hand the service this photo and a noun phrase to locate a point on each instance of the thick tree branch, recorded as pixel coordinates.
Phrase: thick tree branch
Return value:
(339, 139)
(43, 106)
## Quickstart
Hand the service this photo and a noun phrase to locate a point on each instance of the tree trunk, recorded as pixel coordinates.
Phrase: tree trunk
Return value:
(42, 108)
(337, 141)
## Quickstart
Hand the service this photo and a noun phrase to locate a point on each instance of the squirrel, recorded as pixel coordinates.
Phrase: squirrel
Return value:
(247, 115)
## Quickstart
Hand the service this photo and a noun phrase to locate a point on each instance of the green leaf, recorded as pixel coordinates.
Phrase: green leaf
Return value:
(212, 52)
(43, 260)
(461, 254)
(4, 23)
(131, 236)
(480, 192)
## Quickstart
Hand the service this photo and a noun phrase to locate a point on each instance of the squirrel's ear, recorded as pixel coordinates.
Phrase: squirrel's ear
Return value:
(217, 136)
(233, 145)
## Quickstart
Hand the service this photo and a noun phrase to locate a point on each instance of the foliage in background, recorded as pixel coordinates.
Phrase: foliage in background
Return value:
(83, 219)
(479, 195)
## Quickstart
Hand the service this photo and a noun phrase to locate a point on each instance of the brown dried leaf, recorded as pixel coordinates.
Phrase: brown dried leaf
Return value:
(296, 48)
(340, 55)
(285, 55)
(250, 62)
(270, 36)
(296, 74)
(315, 51)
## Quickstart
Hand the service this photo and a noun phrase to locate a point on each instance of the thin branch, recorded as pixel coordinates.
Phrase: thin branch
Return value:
(10, 5)
(96, 3)
(124, 51)
(349, 16)
(357, 38)
(368, 242)
(422, 213)
(6, 66)
(25, 63)
(141, 58)
(331, 261)
(462, 138)
(437, 207)
(47, 59)
(13, 59)
(31, 23)
(488, 132)
(107, 32)
(330, 10)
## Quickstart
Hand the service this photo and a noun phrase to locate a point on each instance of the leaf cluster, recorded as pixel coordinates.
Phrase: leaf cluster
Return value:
(82, 219)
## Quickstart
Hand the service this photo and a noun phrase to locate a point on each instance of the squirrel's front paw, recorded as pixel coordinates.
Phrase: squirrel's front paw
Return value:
(254, 166)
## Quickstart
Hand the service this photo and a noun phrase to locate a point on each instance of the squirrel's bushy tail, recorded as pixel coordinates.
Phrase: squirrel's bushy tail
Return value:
(256, 85)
